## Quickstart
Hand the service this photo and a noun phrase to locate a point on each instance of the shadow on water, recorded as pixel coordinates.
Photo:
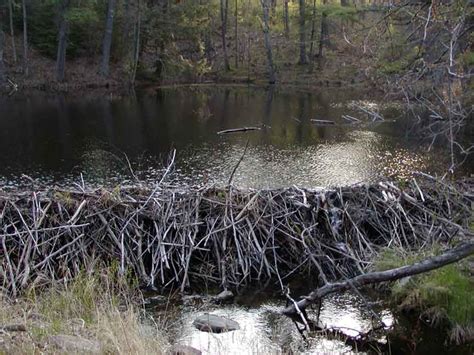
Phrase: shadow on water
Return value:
(55, 139)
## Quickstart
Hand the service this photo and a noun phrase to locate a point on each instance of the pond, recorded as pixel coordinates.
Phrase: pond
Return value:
(55, 139)
(113, 139)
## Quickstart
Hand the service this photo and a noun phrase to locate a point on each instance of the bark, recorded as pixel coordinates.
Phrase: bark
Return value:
(224, 15)
(126, 27)
(136, 50)
(25, 40)
(303, 58)
(286, 19)
(107, 42)
(208, 46)
(2, 64)
(62, 40)
(236, 30)
(12, 32)
(268, 45)
(344, 2)
(323, 40)
(313, 30)
(451, 256)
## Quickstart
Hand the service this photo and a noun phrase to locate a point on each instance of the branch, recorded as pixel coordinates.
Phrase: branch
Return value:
(451, 256)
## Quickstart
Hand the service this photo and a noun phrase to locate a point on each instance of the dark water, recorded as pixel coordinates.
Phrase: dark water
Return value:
(62, 139)
(57, 138)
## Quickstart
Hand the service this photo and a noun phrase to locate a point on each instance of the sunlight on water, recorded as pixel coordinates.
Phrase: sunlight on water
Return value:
(265, 331)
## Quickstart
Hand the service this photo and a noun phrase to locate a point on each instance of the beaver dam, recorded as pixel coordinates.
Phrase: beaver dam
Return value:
(225, 236)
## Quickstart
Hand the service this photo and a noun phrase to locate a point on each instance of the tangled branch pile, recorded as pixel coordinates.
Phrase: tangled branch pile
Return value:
(227, 236)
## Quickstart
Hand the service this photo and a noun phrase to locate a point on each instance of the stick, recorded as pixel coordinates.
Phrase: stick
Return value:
(451, 256)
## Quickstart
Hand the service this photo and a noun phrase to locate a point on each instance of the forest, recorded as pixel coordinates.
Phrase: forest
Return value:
(236, 176)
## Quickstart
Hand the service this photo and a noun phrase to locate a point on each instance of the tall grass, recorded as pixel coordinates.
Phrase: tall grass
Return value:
(444, 296)
(100, 307)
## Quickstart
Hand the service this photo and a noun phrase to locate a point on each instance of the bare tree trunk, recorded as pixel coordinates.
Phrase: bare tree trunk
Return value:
(126, 29)
(208, 47)
(313, 30)
(25, 40)
(107, 43)
(236, 15)
(323, 39)
(303, 58)
(268, 45)
(62, 40)
(344, 2)
(2, 64)
(451, 256)
(286, 19)
(136, 51)
(12, 33)
(224, 16)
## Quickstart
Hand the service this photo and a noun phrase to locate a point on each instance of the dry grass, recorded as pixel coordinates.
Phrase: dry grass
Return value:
(88, 308)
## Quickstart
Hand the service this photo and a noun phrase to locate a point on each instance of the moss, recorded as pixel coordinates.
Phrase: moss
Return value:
(467, 58)
(443, 295)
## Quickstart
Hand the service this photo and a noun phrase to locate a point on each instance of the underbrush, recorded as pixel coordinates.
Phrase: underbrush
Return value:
(97, 309)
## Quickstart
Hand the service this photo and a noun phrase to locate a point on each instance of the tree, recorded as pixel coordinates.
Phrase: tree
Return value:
(12, 32)
(107, 42)
(324, 36)
(136, 49)
(268, 45)
(313, 30)
(62, 40)
(224, 15)
(2, 64)
(236, 15)
(303, 58)
(286, 19)
(25, 39)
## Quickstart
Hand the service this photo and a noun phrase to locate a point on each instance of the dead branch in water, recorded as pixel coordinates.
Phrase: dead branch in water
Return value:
(236, 130)
(323, 122)
(166, 235)
(450, 256)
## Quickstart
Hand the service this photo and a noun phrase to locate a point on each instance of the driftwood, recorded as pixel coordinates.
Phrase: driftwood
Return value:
(450, 256)
(323, 122)
(237, 130)
(166, 235)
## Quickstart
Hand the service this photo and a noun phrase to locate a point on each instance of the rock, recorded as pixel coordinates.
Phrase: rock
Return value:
(70, 343)
(184, 350)
(215, 324)
(192, 299)
(156, 300)
(13, 328)
(224, 296)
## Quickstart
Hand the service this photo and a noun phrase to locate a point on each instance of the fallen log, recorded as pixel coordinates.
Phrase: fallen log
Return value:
(453, 255)
(241, 129)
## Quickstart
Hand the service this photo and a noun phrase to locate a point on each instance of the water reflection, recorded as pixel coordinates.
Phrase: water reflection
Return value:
(55, 138)
(265, 331)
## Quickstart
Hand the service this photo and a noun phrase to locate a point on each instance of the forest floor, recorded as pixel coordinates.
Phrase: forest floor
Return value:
(342, 66)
